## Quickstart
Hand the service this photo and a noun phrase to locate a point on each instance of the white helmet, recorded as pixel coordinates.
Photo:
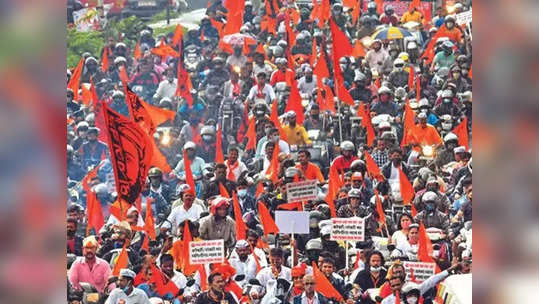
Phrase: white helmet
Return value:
(409, 286)
(189, 145)
(347, 146)
(447, 94)
(384, 90)
(450, 136)
(429, 196)
(398, 63)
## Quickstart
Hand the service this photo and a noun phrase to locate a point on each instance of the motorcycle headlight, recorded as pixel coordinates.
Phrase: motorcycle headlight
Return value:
(427, 150)
(237, 69)
(165, 140)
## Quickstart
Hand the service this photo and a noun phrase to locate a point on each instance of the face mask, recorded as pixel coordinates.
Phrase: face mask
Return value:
(242, 192)
(70, 233)
(207, 137)
(411, 300)
(397, 160)
(450, 25)
(376, 269)
(447, 100)
(399, 69)
(456, 75)
(429, 207)
(125, 289)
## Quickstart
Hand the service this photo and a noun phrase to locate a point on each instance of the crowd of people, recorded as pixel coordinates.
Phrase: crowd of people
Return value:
(383, 130)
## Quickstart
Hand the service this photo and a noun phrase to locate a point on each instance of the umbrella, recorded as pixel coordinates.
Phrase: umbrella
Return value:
(391, 33)
(237, 38)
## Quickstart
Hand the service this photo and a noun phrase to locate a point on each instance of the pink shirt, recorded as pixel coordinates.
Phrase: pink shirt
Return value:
(97, 276)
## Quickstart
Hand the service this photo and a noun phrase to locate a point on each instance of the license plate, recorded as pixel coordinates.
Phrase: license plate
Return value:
(146, 3)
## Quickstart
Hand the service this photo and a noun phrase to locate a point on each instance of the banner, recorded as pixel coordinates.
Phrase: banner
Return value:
(422, 271)
(301, 191)
(402, 6)
(130, 153)
(86, 19)
(206, 252)
(347, 229)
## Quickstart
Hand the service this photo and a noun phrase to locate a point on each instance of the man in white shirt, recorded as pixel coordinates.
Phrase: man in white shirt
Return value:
(187, 211)
(261, 90)
(167, 266)
(309, 295)
(125, 292)
(376, 56)
(276, 269)
(307, 83)
(243, 261)
(167, 87)
(260, 65)
(237, 59)
(234, 167)
(252, 239)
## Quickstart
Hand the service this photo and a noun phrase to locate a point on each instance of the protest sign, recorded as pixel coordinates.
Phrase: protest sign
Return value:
(296, 222)
(301, 191)
(206, 252)
(422, 271)
(464, 17)
(347, 229)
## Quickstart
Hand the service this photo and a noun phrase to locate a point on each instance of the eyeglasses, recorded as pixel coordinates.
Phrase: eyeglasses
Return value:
(308, 283)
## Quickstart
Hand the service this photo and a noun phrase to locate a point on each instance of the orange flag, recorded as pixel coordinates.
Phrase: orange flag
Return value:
(235, 13)
(74, 81)
(121, 262)
(164, 50)
(407, 191)
(298, 206)
(409, 123)
(218, 25)
(418, 88)
(178, 35)
(372, 167)
(94, 212)
(424, 250)
(414, 211)
(159, 160)
(255, 257)
(105, 60)
(330, 102)
(184, 85)
(397, 297)
(335, 183)
(188, 173)
(251, 135)
(359, 50)
(267, 221)
(324, 286)
(273, 169)
(367, 124)
(411, 77)
(241, 228)
(379, 6)
(274, 117)
(157, 114)
(187, 269)
(119, 209)
(86, 95)
(203, 277)
(294, 103)
(379, 209)
(89, 176)
(259, 190)
(137, 54)
(163, 284)
(219, 158)
(377, 83)
(223, 192)
(416, 4)
(470, 73)
(462, 132)
(123, 75)
(149, 222)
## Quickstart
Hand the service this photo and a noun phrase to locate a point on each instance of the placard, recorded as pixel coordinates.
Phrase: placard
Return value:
(347, 229)
(301, 191)
(296, 222)
(206, 252)
(464, 17)
(422, 270)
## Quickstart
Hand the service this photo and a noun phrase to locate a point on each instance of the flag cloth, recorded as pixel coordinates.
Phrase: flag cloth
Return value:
(164, 50)
(86, 95)
(121, 262)
(411, 77)
(119, 209)
(74, 81)
(157, 114)
(137, 54)
(462, 133)
(294, 103)
(130, 152)
(178, 35)
(407, 191)
(184, 85)
(273, 169)
(267, 221)
(414, 211)
(297, 206)
(222, 191)
(241, 227)
(416, 4)
(235, 13)
(397, 297)
(424, 250)
(159, 160)
(123, 75)
(372, 167)
(88, 177)
(163, 285)
(418, 88)
(105, 60)
(409, 123)
(251, 135)
(335, 183)
(359, 50)
(94, 212)
(219, 157)
(324, 286)
(188, 173)
(149, 222)
(203, 277)
(379, 6)
(341, 47)
(259, 190)
(138, 111)
(274, 118)
(379, 209)
(367, 123)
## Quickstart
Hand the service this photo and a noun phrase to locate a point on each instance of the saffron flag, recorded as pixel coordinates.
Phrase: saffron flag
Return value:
(219, 157)
(123, 75)
(335, 183)
(380, 209)
(184, 85)
(163, 284)
(294, 103)
(149, 221)
(273, 169)
(138, 111)
(241, 227)
(372, 167)
(121, 262)
(89, 176)
(188, 173)
(178, 35)
(130, 152)
(407, 191)
(298, 206)
(164, 50)
(409, 123)
(187, 268)
(251, 135)
(137, 54)
(222, 191)
(462, 133)
(359, 50)
(105, 60)
(235, 13)
(341, 48)
(267, 221)
(366, 123)
(74, 81)
(411, 77)
(424, 250)
(324, 286)
(94, 212)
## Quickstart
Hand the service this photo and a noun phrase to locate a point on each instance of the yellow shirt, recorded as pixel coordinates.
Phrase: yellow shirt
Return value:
(416, 16)
(296, 136)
